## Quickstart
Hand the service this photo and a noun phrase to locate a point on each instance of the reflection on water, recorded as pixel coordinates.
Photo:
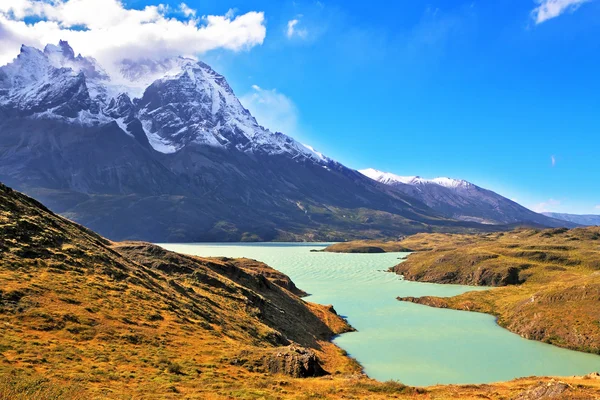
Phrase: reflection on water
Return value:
(414, 344)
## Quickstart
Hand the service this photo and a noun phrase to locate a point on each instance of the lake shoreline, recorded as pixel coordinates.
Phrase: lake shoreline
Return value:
(312, 272)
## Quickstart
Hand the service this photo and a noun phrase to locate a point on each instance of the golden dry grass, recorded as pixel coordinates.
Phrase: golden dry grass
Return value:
(550, 280)
(82, 317)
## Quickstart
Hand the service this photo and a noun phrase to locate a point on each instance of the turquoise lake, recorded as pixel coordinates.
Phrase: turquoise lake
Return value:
(411, 343)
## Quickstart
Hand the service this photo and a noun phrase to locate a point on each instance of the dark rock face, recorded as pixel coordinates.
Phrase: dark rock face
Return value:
(294, 361)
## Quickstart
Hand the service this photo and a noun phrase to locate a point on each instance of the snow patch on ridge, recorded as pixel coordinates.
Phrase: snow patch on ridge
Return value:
(159, 144)
(320, 156)
(388, 178)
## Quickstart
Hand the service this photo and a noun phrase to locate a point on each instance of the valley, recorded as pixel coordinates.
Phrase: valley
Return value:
(99, 319)
(164, 152)
(303, 200)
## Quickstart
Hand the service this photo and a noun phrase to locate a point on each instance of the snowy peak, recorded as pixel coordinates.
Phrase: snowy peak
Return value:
(451, 183)
(182, 102)
(135, 76)
(63, 56)
(462, 200)
(196, 105)
(386, 177)
(59, 53)
(32, 85)
(390, 179)
(30, 67)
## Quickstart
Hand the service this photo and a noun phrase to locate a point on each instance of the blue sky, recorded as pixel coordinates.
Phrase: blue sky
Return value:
(473, 90)
(504, 93)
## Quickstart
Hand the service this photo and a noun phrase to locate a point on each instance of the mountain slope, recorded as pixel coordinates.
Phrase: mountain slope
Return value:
(184, 162)
(585, 220)
(103, 301)
(463, 200)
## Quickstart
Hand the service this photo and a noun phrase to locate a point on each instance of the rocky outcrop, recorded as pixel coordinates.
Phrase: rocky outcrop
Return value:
(294, 361)
(547, 390)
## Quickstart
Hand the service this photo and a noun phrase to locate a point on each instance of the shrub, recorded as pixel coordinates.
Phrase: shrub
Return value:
(175, 368)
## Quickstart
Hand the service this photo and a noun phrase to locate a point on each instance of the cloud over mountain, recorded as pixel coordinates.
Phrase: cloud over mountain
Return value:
(109, 31)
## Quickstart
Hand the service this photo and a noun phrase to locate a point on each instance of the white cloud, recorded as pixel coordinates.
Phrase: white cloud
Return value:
(548, 9)
(553, 160)
(272, 109)
(109, 31)
(186, 10)
(597, 207)
(546, 206)
(293, 30)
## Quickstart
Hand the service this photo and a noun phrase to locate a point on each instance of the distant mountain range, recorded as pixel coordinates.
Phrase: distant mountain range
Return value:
(166, 152)
(586, 220)
(462, 200)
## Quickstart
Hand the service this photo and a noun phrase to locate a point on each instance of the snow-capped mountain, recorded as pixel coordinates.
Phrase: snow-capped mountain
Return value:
(33, 85)
(165, 151)
(390, 179)
(190, 104)
(462, 200)
(197, 105)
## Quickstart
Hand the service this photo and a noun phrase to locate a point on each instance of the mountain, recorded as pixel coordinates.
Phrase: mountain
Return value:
(179, 159)
(585, 220)
(462, 200)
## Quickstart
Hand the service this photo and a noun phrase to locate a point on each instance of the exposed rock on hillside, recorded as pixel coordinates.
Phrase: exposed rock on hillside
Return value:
(294, 361)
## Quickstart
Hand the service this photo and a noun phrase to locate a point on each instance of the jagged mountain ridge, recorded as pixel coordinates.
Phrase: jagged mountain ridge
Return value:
(462, 200)
(193, 104)
(183, 162)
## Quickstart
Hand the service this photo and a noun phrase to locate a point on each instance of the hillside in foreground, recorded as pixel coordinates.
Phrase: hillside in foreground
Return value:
(547, 281)
(83, 317)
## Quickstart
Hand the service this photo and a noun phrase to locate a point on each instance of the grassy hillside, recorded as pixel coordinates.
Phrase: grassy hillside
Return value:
(548, 280)
(83, 317)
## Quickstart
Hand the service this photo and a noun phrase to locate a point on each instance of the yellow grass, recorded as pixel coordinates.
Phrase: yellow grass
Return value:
(81, 317)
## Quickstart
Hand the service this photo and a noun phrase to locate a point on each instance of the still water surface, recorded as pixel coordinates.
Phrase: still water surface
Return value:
(414, 344)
